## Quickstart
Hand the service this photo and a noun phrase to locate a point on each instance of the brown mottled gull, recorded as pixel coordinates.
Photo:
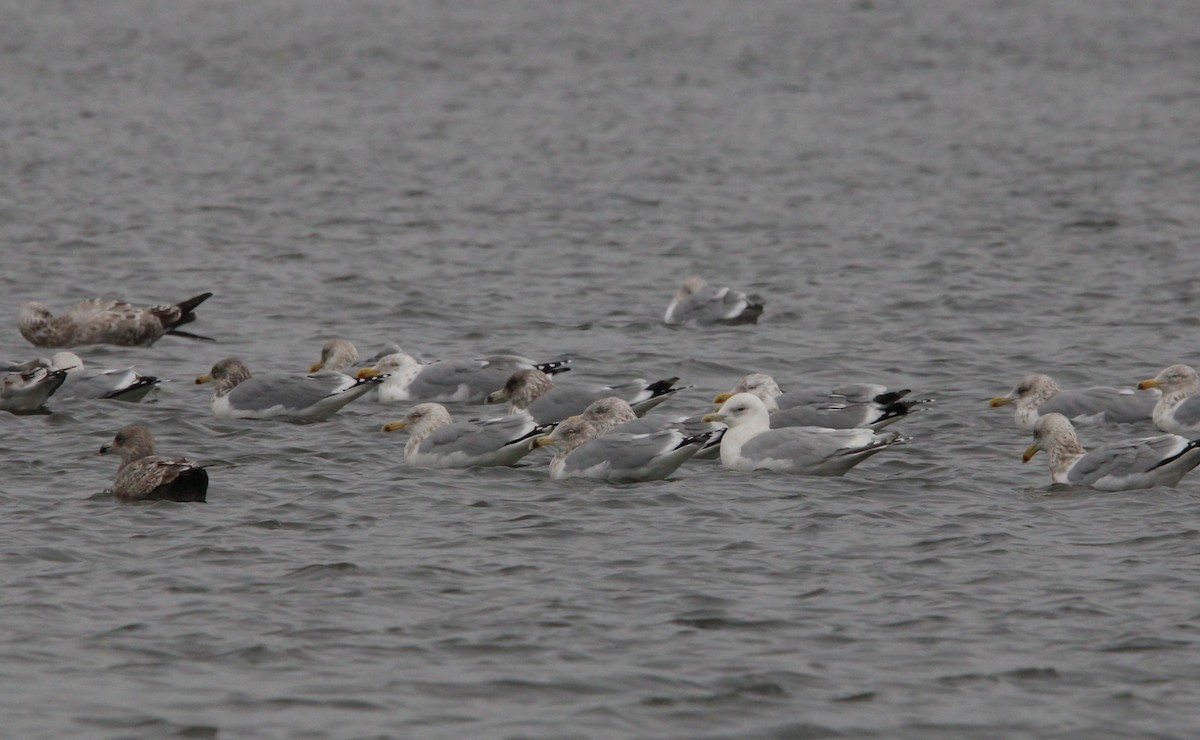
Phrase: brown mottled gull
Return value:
(104, 321)
(699, 302)
(1144, 462)
(237, 395)
(144, 476)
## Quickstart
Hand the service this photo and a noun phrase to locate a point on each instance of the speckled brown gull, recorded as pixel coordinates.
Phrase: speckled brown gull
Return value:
(751, 444)
(437, 441)
(1038, 394)
(701, 303)
(145, 476)
(105, 321)
(237, 395)
(1144, 462)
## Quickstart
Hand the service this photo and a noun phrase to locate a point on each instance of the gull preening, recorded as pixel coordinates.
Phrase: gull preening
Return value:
(145, 476)
(437, 441)
(848, 407)
(701, 303)
(1038, 394)
(119, 384)
(106, 321)
(1144, 462)
(751, 444)
(238, 395)
(585, 450)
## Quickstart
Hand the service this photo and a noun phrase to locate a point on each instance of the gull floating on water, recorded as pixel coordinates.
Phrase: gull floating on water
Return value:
(847, 407)
(1144, 462)
(585, 451)
(751, 444)
(532, 390)
(105, 321)
(124, 384)
(26, 391)
(339, 353)
(237, 395)
(449, 381)
(144, 476)
(1178, 410)
(437, 441)
(1038, 394)
(699, 302)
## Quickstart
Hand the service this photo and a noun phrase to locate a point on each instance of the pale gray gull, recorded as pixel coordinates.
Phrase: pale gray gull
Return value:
(449, 381)
(26, 392)
(145, 476)
(339, 353)
(1144, 462)
(546, 401)
(119, 384)
(106, 321)
(437, 441)
(237, 395)
(750, 444)
(701, 303)
(844, 407)
(1178, 410)
(585, 451)
(1038, 394)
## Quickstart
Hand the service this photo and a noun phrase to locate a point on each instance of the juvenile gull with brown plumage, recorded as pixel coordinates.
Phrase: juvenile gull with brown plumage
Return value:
(237, 395)
(106, 321)
(145, 476)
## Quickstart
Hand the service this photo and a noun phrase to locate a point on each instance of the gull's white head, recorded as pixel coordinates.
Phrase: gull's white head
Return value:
(742, 410)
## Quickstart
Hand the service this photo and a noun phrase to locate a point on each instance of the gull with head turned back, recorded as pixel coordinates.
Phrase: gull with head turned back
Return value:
(546, 401)
(850, 406)
(586, 450)
(437, 441)
(449, 381)
(104, 321)
(698, 302)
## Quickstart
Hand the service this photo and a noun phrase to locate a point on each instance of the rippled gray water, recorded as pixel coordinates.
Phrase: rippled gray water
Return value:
(936, 195)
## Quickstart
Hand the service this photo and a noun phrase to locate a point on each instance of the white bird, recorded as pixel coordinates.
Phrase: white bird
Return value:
(237, 395)
(546, 401)
(120, 384)
(450, 381)
(1144, 462)
(699, 302)
(1038, 394)
(26, 392)
(1178, 410)
(845, 407)
(585, 451)
(145, 476)
(437, 441)
(751, 444)
(104, 321)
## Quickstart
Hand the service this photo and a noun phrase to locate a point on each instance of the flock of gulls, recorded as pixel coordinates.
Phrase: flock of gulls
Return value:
(596, 432)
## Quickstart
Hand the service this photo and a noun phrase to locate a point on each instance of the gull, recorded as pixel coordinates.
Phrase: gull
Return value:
(237, 395)
(1144, 462)
(449, 381)
(1178, 410)
(532, 390)
(145, 476)
(340, 353)
(699, 302)
(437, 441)
(585, 451)
(1038, 394)
(751, 444)
(124, 384)
(26, 392)
(106, 321)
(845, 407)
